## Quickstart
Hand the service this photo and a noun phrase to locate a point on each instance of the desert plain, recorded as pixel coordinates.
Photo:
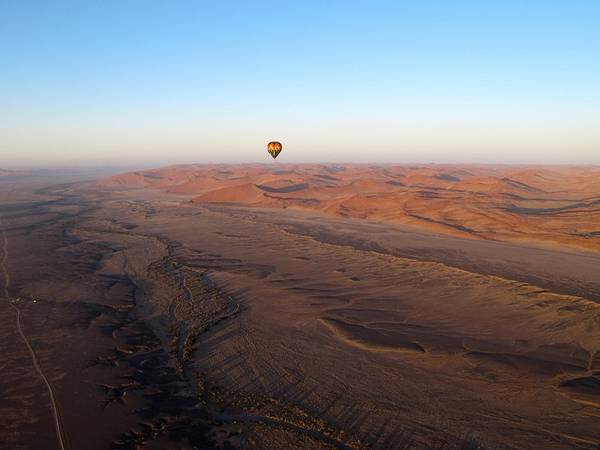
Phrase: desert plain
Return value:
(301, 306)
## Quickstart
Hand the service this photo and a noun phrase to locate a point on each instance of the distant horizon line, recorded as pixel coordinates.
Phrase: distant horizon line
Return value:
(134, 166)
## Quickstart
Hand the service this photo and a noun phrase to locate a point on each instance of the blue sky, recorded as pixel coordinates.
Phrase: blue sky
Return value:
(156, 82)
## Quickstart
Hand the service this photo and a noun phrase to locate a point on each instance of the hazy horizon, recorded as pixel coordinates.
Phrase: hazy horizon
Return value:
(132, 166)
(151, 84)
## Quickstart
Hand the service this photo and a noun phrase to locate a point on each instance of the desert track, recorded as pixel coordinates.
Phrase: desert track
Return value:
(6, 284)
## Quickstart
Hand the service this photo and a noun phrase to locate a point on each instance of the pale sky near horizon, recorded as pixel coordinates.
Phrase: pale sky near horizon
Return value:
(159, 82)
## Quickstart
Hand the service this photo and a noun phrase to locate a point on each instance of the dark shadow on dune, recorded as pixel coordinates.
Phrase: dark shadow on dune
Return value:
(587, 385)
(283, 190)
(519, 185)
(448, 224)
(429, 194)
(151, 175)
(585, 389)
(446, 177)
(540, 211)
(395, 183)
(326, 177)
(371, 338)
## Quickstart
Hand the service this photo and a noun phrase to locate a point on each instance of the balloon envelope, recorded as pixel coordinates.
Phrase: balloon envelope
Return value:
(274, 148)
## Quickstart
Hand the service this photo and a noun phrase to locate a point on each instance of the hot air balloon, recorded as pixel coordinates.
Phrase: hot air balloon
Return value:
(274, 148)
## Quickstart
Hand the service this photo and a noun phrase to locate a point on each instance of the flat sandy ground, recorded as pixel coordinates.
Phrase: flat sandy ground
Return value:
(162, 321)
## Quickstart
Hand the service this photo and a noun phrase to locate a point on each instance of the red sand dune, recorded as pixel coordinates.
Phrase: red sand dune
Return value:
(537, 204)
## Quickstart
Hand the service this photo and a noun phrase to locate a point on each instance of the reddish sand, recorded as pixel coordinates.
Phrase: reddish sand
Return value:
(527, 204)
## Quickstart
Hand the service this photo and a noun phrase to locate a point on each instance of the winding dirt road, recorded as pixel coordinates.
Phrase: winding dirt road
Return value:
(5, 286)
